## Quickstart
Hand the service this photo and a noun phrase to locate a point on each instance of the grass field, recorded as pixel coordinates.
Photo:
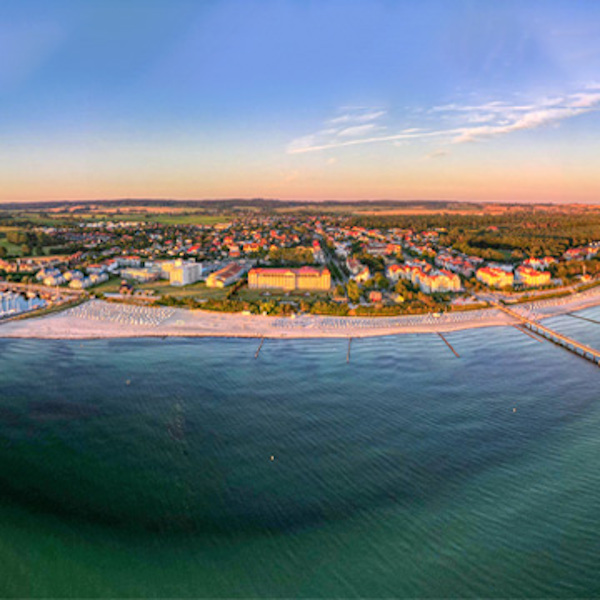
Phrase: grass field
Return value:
(12, 249)
(249, 295)
(195, 290)
(41, 218)
(174, 218)
(107, 287)
(162, 288)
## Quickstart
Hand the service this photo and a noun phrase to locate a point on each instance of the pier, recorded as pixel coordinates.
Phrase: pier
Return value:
(583, 318)
(581, 350)
(262, 341)
(523, 330)
(449, 345)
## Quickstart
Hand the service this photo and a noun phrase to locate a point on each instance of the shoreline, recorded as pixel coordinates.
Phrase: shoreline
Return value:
(97, 319)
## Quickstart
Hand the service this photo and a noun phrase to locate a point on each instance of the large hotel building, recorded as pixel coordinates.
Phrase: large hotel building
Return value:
(304, 278)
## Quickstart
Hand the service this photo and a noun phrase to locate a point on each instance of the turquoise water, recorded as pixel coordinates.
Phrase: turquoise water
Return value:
(186, 467)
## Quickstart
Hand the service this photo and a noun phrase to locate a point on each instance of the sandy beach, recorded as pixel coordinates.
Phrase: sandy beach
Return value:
(98, 319)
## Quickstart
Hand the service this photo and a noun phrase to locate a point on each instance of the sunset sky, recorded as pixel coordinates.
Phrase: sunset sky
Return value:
(300, 99)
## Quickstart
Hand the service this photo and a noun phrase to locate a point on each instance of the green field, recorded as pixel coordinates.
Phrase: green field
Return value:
(249, 295)
(12, 249)
(190, 219)
(195, 290)
(162, 288)
(107, 287)
(42, 218)
(175, 218)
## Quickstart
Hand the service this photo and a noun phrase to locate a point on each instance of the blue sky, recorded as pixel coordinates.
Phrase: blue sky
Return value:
(300, 99)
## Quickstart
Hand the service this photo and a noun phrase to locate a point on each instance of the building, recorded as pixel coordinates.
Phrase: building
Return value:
(539, 263)
(394, 272)
(362, 276)
(54, 280)
(8, 266)
(439, 281)
(427, 279)
(531, 277)
(97, 278)
(495, 277)
(225, 276)
(304, 278)
(184, 273)
(80, 284)
(140, 274)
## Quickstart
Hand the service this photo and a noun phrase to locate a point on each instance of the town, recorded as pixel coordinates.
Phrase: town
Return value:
(263, 261)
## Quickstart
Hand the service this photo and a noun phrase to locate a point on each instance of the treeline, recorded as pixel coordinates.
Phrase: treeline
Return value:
(29, 242)
(292, 256)
(513, 235)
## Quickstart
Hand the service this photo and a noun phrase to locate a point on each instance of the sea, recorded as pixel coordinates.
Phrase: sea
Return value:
(189, 468)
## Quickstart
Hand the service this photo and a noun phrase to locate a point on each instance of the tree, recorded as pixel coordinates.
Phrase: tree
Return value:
(381, 281)
(353, 291)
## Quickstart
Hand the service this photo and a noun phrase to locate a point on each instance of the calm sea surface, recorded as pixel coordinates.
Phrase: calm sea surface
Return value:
(188, 468)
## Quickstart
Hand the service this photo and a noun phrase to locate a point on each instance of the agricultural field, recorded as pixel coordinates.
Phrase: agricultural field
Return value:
(56, 219)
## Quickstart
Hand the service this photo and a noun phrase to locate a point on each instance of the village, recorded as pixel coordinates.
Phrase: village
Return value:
(285, 264)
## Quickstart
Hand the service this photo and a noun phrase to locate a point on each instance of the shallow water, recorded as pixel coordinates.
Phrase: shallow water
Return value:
(185, 467)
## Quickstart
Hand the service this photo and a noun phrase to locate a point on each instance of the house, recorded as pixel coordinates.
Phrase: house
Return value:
(375, 297)
(353, 265)
(363, 275)
(80, 284)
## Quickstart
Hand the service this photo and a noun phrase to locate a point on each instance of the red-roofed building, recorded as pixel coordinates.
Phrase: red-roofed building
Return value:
(495, 277)
(531, 277)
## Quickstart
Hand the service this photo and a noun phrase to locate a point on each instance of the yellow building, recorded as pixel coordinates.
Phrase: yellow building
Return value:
(532, 278)
(305, 278)
(495, 277)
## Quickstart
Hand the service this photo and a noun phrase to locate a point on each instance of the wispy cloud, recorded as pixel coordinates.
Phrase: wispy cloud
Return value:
(503, 118)
(346, 129)
(357, 130)
(454, 123)
(357, 115)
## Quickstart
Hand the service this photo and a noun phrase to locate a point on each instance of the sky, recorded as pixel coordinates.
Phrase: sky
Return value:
(300, 99)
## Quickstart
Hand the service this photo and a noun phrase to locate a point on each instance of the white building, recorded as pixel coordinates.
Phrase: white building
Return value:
(185, 273)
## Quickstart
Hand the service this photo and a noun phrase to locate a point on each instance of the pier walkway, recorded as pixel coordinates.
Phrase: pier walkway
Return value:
(566, 342)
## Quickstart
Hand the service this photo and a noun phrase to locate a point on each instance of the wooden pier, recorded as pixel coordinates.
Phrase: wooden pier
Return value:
(583, 318)
(449, 345)
(528, 333)
(581, 350)
(259, 347)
